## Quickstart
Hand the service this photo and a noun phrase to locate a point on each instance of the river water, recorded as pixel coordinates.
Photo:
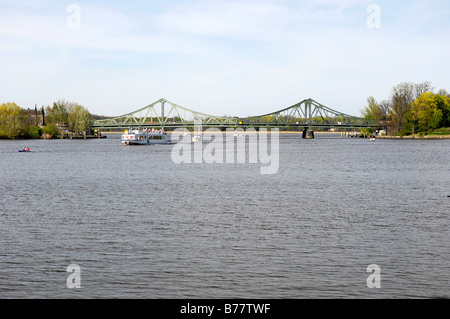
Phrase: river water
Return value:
(140, 226)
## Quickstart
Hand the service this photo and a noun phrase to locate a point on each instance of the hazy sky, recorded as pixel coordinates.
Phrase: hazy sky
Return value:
(245, 57)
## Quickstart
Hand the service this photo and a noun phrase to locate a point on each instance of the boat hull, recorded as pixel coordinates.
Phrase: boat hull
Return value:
(125, 142)
(137, 137)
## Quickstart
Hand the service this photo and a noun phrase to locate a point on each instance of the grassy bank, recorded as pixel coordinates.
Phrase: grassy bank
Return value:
(440, 133)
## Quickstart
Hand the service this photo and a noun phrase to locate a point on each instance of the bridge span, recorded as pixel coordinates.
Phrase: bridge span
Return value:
(303, 116)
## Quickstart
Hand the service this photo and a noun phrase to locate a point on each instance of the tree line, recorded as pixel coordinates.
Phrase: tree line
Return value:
(17, 122)
(413, 108)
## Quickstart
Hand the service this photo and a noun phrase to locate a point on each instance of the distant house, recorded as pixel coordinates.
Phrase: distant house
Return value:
(63, 127)
(36, 117)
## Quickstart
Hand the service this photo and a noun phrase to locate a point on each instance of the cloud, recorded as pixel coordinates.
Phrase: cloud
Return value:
(267, 21)
(234, 57)
(235, 20)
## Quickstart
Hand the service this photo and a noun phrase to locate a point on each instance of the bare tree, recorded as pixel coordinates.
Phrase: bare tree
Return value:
(401, 98)
(421, 88)
(385, 107)
(443, 92)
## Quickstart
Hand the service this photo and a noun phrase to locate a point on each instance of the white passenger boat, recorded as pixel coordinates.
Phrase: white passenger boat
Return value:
(145, 137)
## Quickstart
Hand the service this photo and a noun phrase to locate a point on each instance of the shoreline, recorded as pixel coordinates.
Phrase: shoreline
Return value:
(409, 137)
(415, 137)
(246, 132)
(387, 137)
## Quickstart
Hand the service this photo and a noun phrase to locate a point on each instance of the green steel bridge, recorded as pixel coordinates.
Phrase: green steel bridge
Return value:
(305, 115)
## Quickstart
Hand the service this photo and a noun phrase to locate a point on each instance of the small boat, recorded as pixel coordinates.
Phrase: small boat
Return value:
(372, 139)
(24, 150)
(145, 137)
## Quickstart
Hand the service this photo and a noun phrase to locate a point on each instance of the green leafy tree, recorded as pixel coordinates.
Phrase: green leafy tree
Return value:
(59, 112)
(443, 104)
(13, 121)
(80, 120)
(76, 116)
(35, 131)
(373, 110)
(425, 112)
(52, 130)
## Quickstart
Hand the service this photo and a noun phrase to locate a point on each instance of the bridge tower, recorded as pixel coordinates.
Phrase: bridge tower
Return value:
(308, 132)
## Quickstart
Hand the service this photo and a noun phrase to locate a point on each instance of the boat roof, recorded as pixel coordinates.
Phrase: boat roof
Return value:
(140, 132)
